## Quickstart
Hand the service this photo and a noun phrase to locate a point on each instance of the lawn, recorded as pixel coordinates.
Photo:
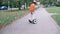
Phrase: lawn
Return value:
(8, 16)
(53, 9)
(57, 18)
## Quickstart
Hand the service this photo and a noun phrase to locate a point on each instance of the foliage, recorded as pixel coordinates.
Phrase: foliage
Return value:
(15, 3)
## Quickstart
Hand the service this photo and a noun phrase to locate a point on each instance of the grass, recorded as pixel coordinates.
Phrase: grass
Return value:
(53, 9)
(7, 16)
(57, 18)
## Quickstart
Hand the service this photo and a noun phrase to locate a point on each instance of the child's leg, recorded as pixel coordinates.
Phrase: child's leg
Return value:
(32, 17)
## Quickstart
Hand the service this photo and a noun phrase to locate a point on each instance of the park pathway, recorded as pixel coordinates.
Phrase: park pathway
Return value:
(45, 25)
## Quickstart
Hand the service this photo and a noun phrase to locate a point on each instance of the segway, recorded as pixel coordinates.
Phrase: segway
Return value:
(32, 21)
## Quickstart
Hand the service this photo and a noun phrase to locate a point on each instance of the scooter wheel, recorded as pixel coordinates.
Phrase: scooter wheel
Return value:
(30, 21)
(34, 21)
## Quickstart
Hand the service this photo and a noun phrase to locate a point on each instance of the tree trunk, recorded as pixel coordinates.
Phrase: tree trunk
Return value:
(19, 5)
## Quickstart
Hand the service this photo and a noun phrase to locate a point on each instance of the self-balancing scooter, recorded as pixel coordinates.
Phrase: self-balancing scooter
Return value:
(32, 21)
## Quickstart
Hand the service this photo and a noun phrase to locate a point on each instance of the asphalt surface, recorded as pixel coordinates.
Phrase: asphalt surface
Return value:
(45, 25)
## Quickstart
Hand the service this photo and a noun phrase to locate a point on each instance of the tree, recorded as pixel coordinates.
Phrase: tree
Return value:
(1, 2)
(16, 3)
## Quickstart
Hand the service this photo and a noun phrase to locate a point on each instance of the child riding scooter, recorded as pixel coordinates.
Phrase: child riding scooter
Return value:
(32, 10)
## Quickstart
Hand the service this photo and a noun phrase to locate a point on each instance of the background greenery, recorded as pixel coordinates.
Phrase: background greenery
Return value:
(15, 3)
(53, 9)
(56, 17)
(7, 16)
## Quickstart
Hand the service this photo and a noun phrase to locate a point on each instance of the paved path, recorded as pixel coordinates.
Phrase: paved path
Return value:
(45, 25)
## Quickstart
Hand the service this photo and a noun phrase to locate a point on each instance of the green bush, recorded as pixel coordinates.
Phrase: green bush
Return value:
(58, 4)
